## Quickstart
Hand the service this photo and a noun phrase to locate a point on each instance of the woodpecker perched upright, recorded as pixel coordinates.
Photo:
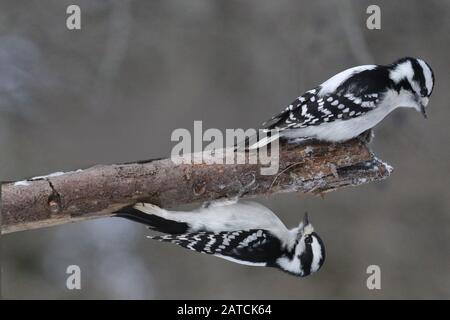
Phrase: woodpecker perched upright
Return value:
(243, 232)
(354, 101)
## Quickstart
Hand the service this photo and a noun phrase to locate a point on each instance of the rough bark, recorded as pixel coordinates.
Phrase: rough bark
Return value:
(100, 190)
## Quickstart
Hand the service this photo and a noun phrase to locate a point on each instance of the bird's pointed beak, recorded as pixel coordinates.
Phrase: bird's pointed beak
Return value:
(305, 226)
(423, 111)
(423, 102)
(305, 219)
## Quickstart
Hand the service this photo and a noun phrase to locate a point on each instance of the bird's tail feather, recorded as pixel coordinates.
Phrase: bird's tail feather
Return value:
(264, 141)
(151, 216)
(255, 141)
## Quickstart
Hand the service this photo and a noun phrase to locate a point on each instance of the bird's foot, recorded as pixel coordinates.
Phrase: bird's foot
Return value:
(232, 199)
(367, 136)
(298, 141)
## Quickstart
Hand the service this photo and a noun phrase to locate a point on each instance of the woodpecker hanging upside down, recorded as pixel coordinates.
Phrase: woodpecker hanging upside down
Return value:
(240, 231)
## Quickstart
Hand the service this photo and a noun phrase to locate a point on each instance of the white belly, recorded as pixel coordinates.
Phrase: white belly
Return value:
(340, 130)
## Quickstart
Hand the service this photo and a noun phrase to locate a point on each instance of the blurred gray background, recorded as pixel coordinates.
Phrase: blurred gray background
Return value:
(115, 90)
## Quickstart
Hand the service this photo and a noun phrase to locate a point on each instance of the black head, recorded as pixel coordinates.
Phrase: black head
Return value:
(308, 253)
(416, 78)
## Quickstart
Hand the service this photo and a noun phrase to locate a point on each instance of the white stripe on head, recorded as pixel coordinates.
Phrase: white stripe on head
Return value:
(428, 75)
(317, 255)
(291, 265)
(403, 70)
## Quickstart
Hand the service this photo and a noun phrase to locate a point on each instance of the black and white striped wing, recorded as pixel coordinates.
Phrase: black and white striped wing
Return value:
(312, 110)
(252, 247)
(272, 123)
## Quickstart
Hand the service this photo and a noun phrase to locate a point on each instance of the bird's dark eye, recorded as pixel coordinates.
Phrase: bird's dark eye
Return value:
(423, 92)
(308, 239)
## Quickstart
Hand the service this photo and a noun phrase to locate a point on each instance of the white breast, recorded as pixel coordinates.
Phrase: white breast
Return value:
(341, 130)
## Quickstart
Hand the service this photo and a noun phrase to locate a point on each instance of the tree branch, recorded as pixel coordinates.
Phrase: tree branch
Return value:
(100, 190)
